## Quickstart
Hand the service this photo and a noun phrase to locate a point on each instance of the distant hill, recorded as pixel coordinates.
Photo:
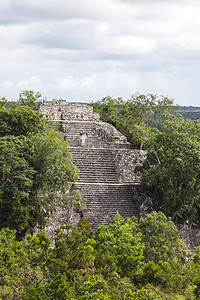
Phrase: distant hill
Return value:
(189, 112)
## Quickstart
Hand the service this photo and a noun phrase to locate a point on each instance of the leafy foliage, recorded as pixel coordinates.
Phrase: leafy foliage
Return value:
(36, 167)
(50, 157)
(32, 173)
(19, 120)
(122, 242)
(20, 263)
(16, 180)
(29, 98)
(136, 118)
(172, 169)
(160, 237)
(78, 266)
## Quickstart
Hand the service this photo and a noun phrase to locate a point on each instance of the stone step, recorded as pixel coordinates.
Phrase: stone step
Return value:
(92, 172)
(74, 141)
(103, 201)
(102, 158)
(95, 165)
(92, 166)
(90, 150)
(97, 178)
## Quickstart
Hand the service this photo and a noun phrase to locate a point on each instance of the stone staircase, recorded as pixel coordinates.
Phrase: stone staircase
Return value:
(95, 165)
(101, 155)
(105, 161)
(104, 200)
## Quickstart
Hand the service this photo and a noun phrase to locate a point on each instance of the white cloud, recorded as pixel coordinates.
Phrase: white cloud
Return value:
(32, 83)
(128, 45)
(96, 84)
(97, 48)
(26, 11)
(10, 36)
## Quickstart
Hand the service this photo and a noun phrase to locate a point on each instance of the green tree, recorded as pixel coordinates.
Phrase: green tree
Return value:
(34, 172)
(71, 262)
(166, 261)
(172, 169)
(73, 251)
(72, 269)
(50, 157)
(136, 118)
(20, 120)
(3, 102)
(161, 240)
(119, 243)
(36, 168)
(90, 262)
(29, 98)
(16, 181)
(21, 264)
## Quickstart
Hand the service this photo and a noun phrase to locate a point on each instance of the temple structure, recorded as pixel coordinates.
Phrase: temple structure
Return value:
(105, 160)
(106, 163)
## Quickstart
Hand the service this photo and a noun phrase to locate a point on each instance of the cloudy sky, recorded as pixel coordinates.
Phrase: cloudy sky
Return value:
(84, 50)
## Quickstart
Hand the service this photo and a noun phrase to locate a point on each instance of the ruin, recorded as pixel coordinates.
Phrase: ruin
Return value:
(106, 162)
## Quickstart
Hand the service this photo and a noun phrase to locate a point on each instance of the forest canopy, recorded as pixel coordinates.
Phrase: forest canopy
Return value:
(124, 260)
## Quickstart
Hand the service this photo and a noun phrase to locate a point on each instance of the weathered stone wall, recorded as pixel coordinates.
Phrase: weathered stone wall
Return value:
(126, 160)
(56, 110)
(61, 217)
(190, 236)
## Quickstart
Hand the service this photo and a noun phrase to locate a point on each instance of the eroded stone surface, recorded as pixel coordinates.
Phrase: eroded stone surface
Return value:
(56, 110)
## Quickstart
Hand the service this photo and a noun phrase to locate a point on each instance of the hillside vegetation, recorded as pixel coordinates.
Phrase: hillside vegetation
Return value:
(127, 259)
(189, 112)
(123, 260)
